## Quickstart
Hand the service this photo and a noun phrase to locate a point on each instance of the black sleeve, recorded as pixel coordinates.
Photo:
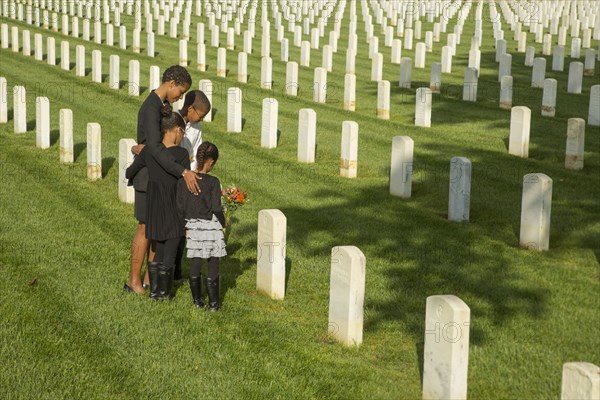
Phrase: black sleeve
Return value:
(215, 202)
(151, 122)
(135, 167)
(180, 199)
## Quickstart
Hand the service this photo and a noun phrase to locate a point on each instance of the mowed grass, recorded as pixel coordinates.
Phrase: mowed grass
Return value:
(68, 330)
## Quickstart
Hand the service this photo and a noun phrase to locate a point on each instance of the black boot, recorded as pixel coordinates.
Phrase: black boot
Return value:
(196, 288)
(212, 287)
(165, 280)
(153, 276)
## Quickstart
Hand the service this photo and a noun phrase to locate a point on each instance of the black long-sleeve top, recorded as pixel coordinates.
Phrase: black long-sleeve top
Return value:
(203, 206)
(148, 133)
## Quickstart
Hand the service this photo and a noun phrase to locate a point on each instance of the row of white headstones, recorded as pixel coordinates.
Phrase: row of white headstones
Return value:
(320, 81)
(320, 78)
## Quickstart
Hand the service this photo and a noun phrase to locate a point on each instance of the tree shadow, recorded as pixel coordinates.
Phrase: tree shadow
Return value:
(278, 135)
(107, 164)
(288, 271)
(31, 125)
(243, 123)
(78, 149)
(54, 136)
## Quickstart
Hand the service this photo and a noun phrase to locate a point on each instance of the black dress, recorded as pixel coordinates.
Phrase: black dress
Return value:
(162, 220)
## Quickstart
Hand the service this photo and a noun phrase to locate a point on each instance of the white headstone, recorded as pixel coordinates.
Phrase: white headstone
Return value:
(475, 59)
(446, 350)
(291, 78)
(94, 151)
(66, 135)
(38, 47)
(549, 98)
(268, 136)
(307, 135)
(500, 48)
(349, 153)
(530, 56)
(42, 122)
(266, 72)
(594, 108)
(446, 60)
(435, 80)
(234, 109)
(470, 85)
(65, 62)
(20, 109)
(383, 99)
(51, 51)
(134, 78)
(520, 121)
(346, 295)
(575, 48)
(126, 193)
(305, 54)
(396, 51)
(408, 39)
(350, 61)
(207, 87)
(504, 69)
(580, 381)
(377, 67)
(320, 85)
(222, 62)
(539, 72)
(26, 43)
(420, 55)
(535, 212)
(3, 100)
(114, 78)
(150, 44)
(459, 198)
(575, 77)
(285, 48)
(350, 92)
(506, 92)
(270, 257)
(405, 72)
(328, 58)
(96, 66)
(575, 143)
(79, 60)
(401, 166)
(183, 53)
(590, 63)
(558, 58)
(14, 33)
(423, 107)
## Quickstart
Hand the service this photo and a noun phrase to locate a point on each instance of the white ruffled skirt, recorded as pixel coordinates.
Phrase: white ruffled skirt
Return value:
(205, 238)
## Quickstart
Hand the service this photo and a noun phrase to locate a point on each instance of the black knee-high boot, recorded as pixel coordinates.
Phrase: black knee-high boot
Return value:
(212, 287)
(165, 280)
(196, 288)
(153, 275)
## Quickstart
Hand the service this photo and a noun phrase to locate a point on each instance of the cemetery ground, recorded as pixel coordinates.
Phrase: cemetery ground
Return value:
(68, 330)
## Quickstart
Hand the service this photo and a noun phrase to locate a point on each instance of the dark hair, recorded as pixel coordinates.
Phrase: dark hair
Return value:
(198, 100)
(205, 151)
(178, 74)
(170, 120)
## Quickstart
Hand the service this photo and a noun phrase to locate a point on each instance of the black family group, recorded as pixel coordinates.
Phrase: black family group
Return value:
(177, 203)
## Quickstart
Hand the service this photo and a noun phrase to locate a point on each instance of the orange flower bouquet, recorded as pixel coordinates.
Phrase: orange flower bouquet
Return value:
(232, 198)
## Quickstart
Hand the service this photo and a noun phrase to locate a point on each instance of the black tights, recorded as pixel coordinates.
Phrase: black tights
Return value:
(213, 267)
(166, 251)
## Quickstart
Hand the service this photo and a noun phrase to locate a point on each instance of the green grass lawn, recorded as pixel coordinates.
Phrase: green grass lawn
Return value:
(68, 331)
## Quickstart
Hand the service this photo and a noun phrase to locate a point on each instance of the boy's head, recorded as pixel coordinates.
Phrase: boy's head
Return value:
(195, 106)
(177, 81)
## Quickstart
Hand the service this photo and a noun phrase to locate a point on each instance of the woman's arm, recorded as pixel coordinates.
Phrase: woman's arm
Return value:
(135, 167)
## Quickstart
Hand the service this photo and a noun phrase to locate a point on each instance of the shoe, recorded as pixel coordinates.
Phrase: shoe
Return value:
(165, 280)
(153, 275)
(212, 288)
(196, 288)
(127, 288)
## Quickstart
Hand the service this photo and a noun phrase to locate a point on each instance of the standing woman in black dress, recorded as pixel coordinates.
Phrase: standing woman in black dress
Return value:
(175, 82)
(163, 224)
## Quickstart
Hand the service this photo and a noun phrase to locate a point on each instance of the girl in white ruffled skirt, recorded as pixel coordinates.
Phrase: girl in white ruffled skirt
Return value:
(204, 218)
